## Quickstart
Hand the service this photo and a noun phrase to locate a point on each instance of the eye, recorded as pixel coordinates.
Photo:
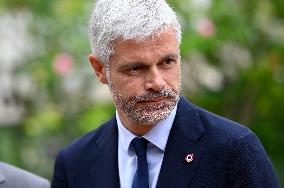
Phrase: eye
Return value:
(169, 62)
(134, 70)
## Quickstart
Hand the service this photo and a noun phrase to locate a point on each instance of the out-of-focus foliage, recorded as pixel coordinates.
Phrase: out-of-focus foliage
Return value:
(233, 65)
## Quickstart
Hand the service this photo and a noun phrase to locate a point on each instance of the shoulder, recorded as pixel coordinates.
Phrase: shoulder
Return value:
(215, 127)
(215, 133)
(236, 151)
(86, 146)
(230, 149)
(16, 177)
(74, 159)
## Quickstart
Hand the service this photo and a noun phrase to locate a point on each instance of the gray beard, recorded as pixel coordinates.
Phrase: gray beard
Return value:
(147, 114)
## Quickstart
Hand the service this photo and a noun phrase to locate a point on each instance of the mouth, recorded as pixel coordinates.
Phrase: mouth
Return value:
(153, 101)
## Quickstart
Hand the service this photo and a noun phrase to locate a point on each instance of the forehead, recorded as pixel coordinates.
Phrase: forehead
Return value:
(161, 42)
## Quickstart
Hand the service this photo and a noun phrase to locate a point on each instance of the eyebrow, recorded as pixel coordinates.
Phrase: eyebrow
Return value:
(142, 64)
(169, 56)
(131, 65)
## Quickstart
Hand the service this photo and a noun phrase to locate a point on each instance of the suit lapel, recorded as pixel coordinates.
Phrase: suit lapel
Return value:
(182, 142)
(104, 164)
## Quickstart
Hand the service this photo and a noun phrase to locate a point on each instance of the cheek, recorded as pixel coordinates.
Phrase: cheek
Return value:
(173, 78)
(127, 87)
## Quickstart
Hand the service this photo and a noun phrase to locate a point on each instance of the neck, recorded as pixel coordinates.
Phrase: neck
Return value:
(134, 127)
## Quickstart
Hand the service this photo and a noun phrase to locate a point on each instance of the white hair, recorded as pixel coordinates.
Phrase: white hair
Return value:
(113, 20)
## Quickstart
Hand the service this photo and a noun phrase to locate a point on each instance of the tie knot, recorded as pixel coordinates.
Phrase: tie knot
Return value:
(140, 146)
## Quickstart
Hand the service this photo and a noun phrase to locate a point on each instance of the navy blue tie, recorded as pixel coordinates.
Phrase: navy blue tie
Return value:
(142, 175)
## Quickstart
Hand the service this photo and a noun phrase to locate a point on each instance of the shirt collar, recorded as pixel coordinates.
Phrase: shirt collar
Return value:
(158, 135)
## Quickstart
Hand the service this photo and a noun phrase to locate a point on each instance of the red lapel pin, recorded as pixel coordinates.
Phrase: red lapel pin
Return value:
(189, 158)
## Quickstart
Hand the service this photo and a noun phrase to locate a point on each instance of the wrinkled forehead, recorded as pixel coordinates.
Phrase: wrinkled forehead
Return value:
(161, 44)
(161, 36)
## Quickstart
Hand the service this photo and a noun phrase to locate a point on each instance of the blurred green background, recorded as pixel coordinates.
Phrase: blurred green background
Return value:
(233, 65)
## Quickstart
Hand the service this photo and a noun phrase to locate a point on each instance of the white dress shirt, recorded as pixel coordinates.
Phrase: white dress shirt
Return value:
(127, 162)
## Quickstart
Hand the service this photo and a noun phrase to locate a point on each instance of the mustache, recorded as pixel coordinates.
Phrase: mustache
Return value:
(167, 93)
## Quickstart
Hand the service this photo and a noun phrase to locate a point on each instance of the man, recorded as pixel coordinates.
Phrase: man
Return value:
(157, 138)
(13, 177)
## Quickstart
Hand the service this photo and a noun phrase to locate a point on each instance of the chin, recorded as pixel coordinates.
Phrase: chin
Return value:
(150, 116)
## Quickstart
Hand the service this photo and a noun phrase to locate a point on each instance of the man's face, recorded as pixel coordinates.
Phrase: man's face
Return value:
(145, 77)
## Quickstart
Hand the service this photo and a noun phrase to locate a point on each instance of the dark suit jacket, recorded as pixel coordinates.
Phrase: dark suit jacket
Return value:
(226, 154)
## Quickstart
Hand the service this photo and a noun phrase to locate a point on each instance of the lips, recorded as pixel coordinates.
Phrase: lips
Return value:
(155, 100)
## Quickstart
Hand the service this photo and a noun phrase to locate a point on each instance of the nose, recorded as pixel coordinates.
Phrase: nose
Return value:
(154, 80)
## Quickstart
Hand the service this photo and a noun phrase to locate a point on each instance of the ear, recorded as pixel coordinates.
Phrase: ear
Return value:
(98, 68)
